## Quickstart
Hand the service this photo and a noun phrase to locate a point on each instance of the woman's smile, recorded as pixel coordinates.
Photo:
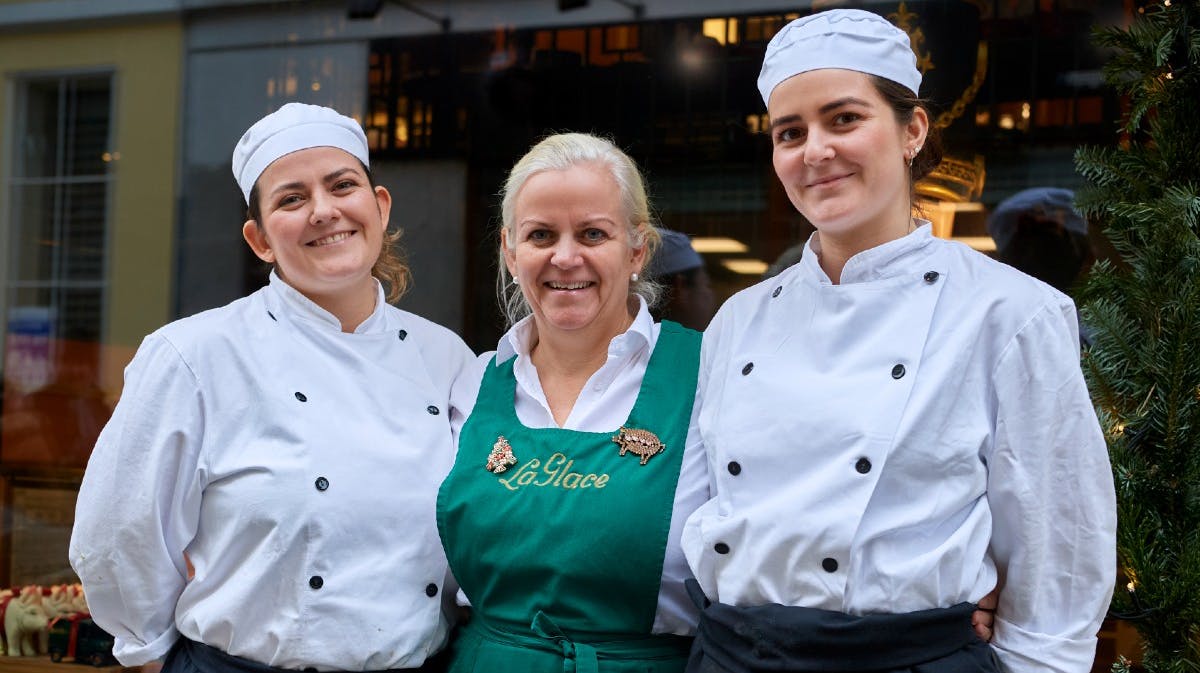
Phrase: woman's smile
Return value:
(828, 181)
(331, 239)
(569, 286)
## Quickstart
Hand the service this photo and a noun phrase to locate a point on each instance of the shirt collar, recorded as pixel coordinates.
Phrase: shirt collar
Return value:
(518, 339)
(305, 309)
(883, 261)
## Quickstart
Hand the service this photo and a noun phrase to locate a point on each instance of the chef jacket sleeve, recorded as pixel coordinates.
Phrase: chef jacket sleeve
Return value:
(1050, 491)
(139, 504)
(465, 390)
(462, 363)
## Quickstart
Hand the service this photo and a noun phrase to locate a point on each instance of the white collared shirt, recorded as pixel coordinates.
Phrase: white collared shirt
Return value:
(603, 405)
(902, 440)
(296, 467)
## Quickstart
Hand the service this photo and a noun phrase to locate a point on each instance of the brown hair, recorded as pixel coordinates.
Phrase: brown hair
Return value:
(390, 268)
(903, 103)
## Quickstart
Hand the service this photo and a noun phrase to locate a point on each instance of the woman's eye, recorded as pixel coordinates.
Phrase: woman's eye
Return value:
(538, 235)
(289, 200)
(845, 118)
(593, 235)
(343, 184)
(788, 135)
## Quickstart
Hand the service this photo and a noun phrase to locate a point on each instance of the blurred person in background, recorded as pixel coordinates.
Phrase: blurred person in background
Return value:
(1038, 231)
(688, 297)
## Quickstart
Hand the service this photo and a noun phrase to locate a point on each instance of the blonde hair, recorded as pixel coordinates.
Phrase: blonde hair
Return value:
(560, 152)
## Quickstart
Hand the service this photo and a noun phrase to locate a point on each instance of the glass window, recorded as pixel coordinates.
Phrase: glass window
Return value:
(57, 200)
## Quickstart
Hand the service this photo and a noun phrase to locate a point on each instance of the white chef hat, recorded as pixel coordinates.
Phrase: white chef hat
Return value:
(291, 128)
(849, 39)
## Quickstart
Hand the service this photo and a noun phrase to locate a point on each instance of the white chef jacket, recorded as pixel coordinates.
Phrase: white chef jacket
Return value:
(604, 405)
(903, 440)
(297, 468)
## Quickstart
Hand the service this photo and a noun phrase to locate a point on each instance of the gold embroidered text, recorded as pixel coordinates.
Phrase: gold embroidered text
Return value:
(555, 473)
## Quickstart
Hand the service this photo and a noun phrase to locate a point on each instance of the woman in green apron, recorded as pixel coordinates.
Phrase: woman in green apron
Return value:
(579, 463)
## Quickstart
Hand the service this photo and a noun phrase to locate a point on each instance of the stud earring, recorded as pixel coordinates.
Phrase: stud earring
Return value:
(516, 282)
(633, 277)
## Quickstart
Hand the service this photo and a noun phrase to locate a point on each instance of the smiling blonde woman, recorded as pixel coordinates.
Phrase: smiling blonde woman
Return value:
(560, 520)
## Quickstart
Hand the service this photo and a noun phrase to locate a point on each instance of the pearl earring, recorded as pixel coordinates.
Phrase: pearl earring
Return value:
(633, 277)
(913, 155)
(516, 282)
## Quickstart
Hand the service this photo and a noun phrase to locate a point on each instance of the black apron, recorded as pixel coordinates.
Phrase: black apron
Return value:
(807, 640)
(189, 656)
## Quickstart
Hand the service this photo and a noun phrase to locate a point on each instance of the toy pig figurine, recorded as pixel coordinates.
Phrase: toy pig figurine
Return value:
(24, 619)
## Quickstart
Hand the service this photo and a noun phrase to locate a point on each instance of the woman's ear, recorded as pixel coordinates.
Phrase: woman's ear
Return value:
(256, 238)
(638, 254)
(383, 198)
(510, 257)
(917, 128)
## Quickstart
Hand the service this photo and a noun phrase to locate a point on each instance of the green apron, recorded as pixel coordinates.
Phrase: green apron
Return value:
(562, 552)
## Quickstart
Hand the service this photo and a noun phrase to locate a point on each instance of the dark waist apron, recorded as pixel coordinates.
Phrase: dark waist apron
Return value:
(189, 656)
(807, 640)
(558, 537)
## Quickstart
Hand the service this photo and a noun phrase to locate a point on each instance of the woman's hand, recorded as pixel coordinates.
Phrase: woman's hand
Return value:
(982, 618)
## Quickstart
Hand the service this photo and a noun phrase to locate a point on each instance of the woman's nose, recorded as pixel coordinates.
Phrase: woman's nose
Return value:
(566, 252)
(324, 208)
(817, 147)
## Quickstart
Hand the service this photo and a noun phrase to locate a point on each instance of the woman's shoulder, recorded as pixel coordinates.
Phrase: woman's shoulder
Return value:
(1011, 301)
(989, 276)
(219, 324)
(444, 354)
(425, 329)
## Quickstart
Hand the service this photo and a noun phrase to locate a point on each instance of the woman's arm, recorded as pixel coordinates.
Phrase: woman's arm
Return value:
(1050, 490)
(139, 504)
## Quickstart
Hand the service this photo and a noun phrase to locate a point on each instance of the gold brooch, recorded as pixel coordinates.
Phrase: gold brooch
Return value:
(501, 456)
(639, 442)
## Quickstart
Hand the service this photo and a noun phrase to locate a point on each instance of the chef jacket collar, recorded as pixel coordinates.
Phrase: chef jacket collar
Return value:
(517, 340)
(305, 309)
(883, 261)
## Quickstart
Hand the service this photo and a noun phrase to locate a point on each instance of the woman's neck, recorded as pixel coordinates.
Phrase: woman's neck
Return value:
(351, 307)
(837, 249)
(565, 361)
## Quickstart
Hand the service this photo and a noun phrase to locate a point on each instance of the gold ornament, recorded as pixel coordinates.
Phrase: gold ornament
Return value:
(641, 443)
(501, 457)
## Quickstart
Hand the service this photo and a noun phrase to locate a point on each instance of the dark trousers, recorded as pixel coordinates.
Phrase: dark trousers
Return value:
(772, 638)
(189, 656)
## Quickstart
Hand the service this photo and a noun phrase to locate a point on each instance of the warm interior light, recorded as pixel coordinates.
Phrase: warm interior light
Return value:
(749, 267)
(715, 28)
(717, 244)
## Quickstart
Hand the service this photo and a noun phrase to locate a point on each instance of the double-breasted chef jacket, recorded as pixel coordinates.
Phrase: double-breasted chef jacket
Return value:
(296, 467)
(904, 440)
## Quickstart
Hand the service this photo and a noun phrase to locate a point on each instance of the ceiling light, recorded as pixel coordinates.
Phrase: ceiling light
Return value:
(717, 244)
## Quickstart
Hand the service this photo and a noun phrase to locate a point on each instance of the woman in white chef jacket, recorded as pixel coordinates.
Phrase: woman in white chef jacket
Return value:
(895, 424)
(288, 445)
